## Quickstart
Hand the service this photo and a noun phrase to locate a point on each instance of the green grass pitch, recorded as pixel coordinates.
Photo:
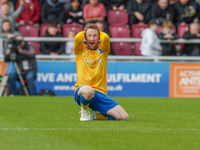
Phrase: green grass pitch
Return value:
(52, 123)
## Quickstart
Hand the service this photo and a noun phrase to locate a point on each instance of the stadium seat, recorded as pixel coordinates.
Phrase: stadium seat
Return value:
(181, 30)
(137, 30)
(28, 30)
(121, 48)
(137, 48)
(136, 33)
(116, 25)
(120, 32)
(74, 27)
(36, 45)
(43, 28)
(117, 17)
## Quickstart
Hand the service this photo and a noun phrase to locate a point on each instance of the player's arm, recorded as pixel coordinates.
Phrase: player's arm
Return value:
(105, 41)
(78, 45)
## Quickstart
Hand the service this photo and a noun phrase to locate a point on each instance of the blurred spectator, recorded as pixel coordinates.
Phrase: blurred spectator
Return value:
(115, 4)
(52, 48)
(5, 15)
(69, 46)
(42, 2)
(103, 27)
(53, 11)
(66, 4)
(6, 30)
(198, 1)
(75, 14)
(27, 66)
(162, 11)
(139, 11)
(93, 12)
(150, 45)
(152, 1)
(6, 33)
(83, 2)
(31, 13)
(167, 33)
(11, 4)
(193, 33)
(14, 1)
(187, 12)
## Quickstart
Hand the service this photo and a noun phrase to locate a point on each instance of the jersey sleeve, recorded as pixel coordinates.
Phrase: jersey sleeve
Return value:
(78, 45)
(105, 42)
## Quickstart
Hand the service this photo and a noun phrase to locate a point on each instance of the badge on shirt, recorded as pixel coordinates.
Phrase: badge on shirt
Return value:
(100, 51)
(25, 65)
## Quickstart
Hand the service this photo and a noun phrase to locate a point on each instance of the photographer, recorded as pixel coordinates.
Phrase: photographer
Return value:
(25, 59)
(7, 33)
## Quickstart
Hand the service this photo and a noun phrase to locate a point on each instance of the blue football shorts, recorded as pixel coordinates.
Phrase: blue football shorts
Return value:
(102, 102)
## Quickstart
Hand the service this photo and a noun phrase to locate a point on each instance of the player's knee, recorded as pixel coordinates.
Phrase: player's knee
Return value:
(89, 93)
(118, 117)
(124, 117)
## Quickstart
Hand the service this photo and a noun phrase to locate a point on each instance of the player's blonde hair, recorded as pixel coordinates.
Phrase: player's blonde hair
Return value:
(91, 26)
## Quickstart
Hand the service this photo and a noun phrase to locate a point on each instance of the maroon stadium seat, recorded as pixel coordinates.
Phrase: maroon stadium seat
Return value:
(74, 27)
(36, 45)
(30, 31)
(120, 32)
(137, 48)
(43, 28)
(117, 17)
(137, 30)
(136, 33)
(121, 48)
(181, 30)
(111, 26)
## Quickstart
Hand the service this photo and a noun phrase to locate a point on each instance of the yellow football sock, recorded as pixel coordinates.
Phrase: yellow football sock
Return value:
(99, 116)
(85, 107)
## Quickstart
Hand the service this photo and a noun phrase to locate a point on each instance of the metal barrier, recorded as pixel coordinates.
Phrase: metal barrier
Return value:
(110, 58)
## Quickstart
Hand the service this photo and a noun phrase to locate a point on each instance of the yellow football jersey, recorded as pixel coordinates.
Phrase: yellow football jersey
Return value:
(91, 65)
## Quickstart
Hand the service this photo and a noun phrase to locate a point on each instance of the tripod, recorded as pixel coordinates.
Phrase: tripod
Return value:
(6, 77)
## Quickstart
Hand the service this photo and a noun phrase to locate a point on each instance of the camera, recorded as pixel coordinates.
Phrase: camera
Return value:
(14, 48)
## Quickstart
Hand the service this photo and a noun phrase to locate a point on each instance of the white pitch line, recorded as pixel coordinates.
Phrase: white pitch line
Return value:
(94, 129)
